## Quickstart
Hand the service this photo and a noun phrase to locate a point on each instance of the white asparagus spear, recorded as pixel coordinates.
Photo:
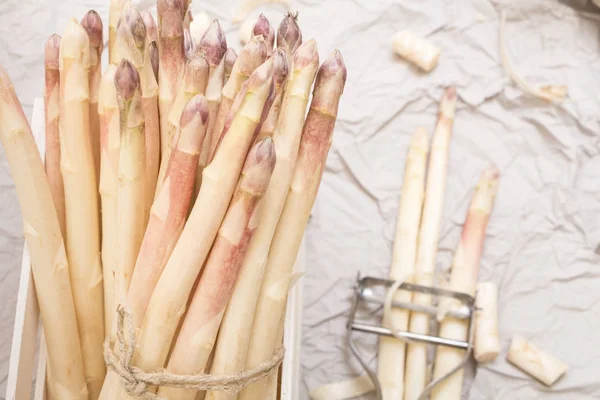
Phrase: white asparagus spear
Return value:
(416, 354)
(392, 351)
(234, 335)
(541, 365)
(46, 247)
(200, 327)
(81, 201)
(465, 270)
(487, 337)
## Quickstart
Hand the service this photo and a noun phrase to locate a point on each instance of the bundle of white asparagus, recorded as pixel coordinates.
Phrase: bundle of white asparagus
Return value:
(177, 184)
(403, 368)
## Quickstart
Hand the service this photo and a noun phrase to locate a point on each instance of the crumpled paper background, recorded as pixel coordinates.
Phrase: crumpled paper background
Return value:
(545, 227)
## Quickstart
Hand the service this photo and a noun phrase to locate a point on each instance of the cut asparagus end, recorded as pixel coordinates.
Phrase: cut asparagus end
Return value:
(51, 52)
(213, 43)
(258, 167)
(543, 366)
(92, 23)
(264, 28)
(150, 24)
(154, 58)
(329, 84)
(289, 35)
(487, 337)
(127, 81)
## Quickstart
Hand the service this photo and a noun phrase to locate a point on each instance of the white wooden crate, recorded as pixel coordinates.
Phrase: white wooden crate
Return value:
(27, 342)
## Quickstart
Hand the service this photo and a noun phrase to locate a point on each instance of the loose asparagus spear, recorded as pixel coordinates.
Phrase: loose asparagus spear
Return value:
(416, 358)
(52, 117)
(251, 56)
(150, 23)
(92, 23)
(81, 200)
(46, 247)
(234, 336)
(108, 111)
(133, 45)
(132, 149)
(194, 82)
(230, 57)
(198, 333)
(279, 77)
(190, 252)
(314, 146)
(392, 352)
(465, 270)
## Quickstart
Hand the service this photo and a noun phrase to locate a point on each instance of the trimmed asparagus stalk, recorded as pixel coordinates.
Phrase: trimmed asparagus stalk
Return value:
(133, 45)
(214, 46)
(48, 258)
(170, 208)
(465, 269)
(167, 218)
(170, 71)
(114, 14)
(314, 146)
(416, 356)
(199, 330)
(528, 358)
(150, 23)
(279, 78)
(289, 35)
(52, 117)
(194, 82)
(230, 57)
(251, 56)
(108, 111)
(392, 352)
(263, 28)
(416, 50)
(132, 149)
(190, 252)
(487, 337)
(234, 335)
(92, 23)
(81, 201)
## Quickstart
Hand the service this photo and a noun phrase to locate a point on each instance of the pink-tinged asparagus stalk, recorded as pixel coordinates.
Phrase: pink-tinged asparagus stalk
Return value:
(234, 335)
(289, 35)
(230, 57)
(190, 252)
(48, 258)
(194, 82)
(314, 147)
(150, 23)
(108, 110)
(465, 270)
(416, 356)
(133, 45)
(92, 23)
(279, 78)
(170, 71)
(214, 46)
(81, 201)
(52, 117)
(114, 14)
(252, 55)
(199, 330)
(263, 28)
(132, 149)
(162, 6)
(167, 218)
(392, 352)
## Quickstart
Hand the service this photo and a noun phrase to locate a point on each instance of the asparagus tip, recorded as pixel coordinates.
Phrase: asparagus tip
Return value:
(127, 80)
(51, 52)
(450, 94)
(259, 166)
(5, 81)
(213, 43)
(230, 57)
(491, 173)
(280, 66)
(134, 23)
(75, 42)
(263, 27)
(92, 23)
(306, 54)
(261, 76)
(334, 65)
(289, 35)
(196, 106)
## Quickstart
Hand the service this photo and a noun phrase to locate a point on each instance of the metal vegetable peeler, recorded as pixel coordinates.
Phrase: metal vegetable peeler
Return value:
(364, 292)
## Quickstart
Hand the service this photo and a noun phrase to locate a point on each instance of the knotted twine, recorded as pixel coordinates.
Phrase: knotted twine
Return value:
(136, 381)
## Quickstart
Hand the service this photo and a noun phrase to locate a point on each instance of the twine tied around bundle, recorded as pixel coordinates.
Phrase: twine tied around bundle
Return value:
(136, 381)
